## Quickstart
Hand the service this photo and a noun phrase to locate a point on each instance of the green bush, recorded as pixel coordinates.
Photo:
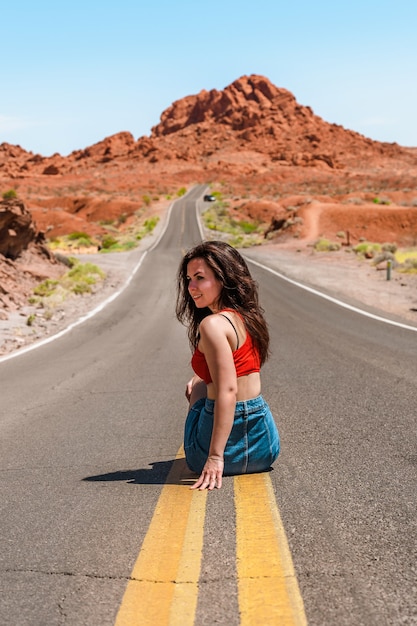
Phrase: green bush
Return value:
(82, 287)
(181, 192)
(84, 270)
(409, 266)
(81, 277)
(129, 245)
(384, 201)
(46, 288)
(367, 249)
(325, 245)
(81, 239)
(31, 318)
(150, 223)
(108, 241)
(10, 195)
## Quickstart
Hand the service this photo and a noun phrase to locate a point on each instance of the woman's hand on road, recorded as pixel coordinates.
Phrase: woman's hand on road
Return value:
(212, 474)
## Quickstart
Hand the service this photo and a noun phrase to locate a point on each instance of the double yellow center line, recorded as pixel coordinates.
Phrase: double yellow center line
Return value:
(163, 587)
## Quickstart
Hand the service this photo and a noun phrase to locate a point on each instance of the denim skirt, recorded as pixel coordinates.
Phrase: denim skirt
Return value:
(253, 443)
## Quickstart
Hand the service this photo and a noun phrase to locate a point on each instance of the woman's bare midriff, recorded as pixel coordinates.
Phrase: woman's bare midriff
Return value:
(247, 387)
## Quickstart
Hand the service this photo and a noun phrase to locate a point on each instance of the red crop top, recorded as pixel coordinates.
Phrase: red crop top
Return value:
(246, 359)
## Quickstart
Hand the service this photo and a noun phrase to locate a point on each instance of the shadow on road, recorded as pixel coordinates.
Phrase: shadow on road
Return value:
(173, 472)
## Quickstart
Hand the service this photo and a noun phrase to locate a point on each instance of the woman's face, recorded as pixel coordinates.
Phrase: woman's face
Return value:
(203, 286)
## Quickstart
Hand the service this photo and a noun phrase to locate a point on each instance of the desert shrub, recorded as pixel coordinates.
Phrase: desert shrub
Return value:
(247, 227)
(77, 235)
(408, 267)
(81, 239)
(10, 194)
(407, 260)
(181, 192)
(82, 270)
(82, 287)
(385, 255)
(237, 241)
(81, 277)
(378, 200)
(46, 288)
(238, 233)
(150, 223)
(108, 241)
(341, 234)
(325, 245)
(30, 319)
(146, 199)
(115, 247)
(404, 254)
(367, 249)
(129, 245)
(389, 247)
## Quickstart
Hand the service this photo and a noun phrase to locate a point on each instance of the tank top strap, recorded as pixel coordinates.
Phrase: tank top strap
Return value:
(233, 326)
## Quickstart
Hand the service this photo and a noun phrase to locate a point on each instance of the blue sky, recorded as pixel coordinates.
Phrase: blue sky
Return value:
(76, 72)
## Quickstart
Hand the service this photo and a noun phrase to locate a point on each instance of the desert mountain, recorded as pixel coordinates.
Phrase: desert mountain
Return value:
(251, 116)
(252, 136)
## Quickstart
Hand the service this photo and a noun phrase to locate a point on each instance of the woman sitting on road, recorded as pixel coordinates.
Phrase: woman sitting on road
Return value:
(229, 427)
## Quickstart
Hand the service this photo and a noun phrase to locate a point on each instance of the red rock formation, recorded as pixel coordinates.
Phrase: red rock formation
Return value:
(17, 229)
(267, 119)
(104, 151)
(24, 258)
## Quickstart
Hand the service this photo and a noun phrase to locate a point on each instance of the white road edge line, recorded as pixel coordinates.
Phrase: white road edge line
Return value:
(334, 300)
(99, 308)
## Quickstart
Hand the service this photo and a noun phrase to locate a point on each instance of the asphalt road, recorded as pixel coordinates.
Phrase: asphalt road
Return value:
(91, 422)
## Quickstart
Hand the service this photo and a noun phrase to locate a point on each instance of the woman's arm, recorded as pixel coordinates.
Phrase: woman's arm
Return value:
(219, 357)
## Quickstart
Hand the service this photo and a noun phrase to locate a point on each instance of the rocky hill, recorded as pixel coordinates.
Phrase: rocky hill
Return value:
(269, 156)
(24, 258)
(251, 115)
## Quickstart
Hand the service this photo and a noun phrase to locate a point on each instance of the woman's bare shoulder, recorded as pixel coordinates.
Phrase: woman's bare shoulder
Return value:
(213, 325)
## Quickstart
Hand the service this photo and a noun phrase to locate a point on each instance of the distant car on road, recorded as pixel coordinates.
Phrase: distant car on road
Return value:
(209, 198)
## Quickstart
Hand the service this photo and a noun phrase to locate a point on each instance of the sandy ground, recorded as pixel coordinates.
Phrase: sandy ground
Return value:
(340, 274)
(344, 275)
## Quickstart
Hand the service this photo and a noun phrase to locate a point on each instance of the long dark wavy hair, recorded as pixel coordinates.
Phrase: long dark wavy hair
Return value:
(239, 292)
